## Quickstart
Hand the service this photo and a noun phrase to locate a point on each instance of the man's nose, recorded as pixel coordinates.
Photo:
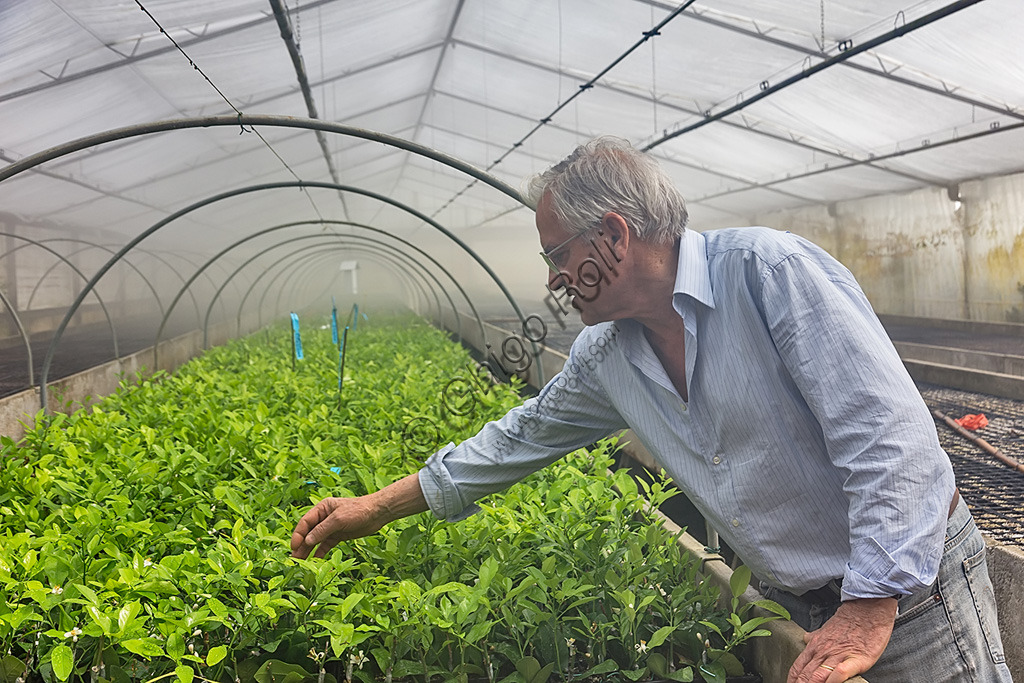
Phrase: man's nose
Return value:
(558, 280)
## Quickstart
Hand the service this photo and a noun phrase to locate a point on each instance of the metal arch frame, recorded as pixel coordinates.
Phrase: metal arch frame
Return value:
(192, 263)
(154, 254)
(404, 276)
(78, 300)
(408, 283)
(364, 248)
(80, 241)
(425, 291)
(476, 314)
(252, 120)
(334, 222)
(450, 302)
(88, 244)
(24, 336)
(256, 120)
(303, 237)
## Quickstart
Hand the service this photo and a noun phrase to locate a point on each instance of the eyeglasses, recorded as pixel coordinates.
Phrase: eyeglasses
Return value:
(547, 255)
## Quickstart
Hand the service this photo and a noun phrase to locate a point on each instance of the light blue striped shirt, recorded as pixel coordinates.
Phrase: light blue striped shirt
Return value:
(804, 440)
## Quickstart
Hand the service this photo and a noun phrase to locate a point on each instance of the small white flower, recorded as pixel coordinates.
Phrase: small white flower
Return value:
(147, 562)
(197, 632)
(56, 590)
(641, 647)
(73, 633)
(405, 616)
(358, 660)
(95, 669)
(191, 648)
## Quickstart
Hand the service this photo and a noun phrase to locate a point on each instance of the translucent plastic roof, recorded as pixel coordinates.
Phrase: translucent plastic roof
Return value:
(486, 81)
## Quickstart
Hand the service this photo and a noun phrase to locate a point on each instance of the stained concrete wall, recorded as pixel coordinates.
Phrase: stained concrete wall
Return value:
(920, 254)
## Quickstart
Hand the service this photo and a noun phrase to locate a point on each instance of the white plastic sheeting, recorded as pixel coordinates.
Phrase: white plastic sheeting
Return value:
(941, 105)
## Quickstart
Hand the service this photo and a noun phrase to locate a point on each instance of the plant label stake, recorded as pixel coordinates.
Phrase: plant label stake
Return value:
(296, 340)
(334, 322)
(355, 316)
(341, 362)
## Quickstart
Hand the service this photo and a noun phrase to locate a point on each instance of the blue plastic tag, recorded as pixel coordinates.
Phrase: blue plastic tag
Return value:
(334, 322)
(298, 338)
(355, 317)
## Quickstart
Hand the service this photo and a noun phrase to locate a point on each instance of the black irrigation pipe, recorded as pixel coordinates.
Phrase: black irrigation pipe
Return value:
(647, 35)
(767, 90)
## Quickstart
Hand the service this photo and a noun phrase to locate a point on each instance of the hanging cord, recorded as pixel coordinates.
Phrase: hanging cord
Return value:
(821, 45)
(230, 104)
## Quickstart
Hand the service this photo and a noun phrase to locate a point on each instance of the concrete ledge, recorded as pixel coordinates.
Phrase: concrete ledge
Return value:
(1006, 568)
(976, 326)
(984, 361)
(994, 383)
(19, 410)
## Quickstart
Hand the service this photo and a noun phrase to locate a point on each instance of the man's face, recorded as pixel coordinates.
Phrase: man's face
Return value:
(577, 262)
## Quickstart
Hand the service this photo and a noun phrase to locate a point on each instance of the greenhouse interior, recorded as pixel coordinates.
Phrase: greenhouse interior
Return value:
(306, 377)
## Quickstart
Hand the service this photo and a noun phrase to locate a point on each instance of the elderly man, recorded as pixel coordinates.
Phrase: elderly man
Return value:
(751, 364)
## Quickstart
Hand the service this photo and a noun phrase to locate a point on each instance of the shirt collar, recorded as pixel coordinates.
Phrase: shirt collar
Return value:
(692, 278)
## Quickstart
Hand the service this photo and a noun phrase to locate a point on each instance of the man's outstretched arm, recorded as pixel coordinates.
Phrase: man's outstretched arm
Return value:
(333, 520)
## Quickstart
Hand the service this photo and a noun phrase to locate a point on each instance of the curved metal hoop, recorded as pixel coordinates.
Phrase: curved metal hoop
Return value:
(78, 300)
(365, 249)
(303, 237)
(269, 120)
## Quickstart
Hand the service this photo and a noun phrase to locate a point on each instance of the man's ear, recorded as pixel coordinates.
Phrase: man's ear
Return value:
(614, 234)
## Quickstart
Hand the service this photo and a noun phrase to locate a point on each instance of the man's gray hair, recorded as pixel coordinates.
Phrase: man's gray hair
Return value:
(608, 174)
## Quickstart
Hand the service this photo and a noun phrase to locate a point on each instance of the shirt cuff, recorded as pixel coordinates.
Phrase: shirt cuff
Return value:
(878, 575)
(440, 491)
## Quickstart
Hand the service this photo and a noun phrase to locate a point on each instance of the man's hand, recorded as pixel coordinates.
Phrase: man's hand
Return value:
(848, 644)
(333, 520)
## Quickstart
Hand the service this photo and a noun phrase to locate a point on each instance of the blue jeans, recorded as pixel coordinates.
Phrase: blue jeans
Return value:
(947, 632)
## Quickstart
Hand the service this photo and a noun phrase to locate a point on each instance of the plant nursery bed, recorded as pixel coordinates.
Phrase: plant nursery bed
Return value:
(147, 538)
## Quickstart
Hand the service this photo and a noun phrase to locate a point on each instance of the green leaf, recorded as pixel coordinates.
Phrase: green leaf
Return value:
(660, 635)
(606, 667)
(713, 672)
(185, 673)
(175, 646)
(657, 664)
(126, 616)
(276, 671)
(731, 664)
(101, 619)
(773, 607)
(146, 647)
(635, 675)
(216, 655)
(11, 668)
(682, 675)
(63, 662)
(528, 667)
(739, 581)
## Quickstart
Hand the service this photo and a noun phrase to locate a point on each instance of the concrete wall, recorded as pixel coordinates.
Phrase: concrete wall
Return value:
(922, 254)
(19, 410)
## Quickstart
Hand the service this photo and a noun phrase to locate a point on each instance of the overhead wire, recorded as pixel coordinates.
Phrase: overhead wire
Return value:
(846, 52)
(647, 35)
(229, 103)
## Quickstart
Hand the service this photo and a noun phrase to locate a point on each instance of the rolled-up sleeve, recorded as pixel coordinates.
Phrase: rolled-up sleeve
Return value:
(570, 412)
(878, 431)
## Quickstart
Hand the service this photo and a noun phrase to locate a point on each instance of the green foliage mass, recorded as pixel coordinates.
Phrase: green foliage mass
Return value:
(146, 538)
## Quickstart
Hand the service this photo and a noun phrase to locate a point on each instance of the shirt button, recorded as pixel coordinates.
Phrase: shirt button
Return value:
(716, 460)
(735, 522)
